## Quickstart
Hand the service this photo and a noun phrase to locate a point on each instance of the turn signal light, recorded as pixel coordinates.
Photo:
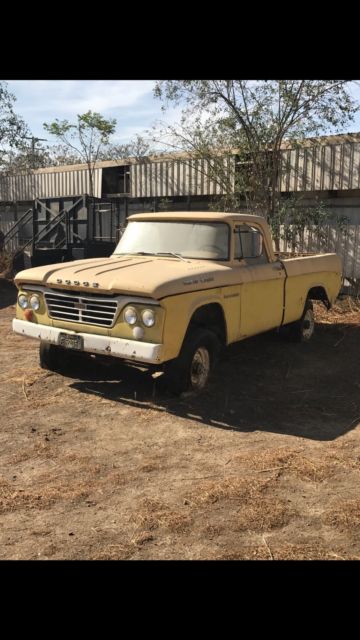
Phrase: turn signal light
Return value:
(28, 314)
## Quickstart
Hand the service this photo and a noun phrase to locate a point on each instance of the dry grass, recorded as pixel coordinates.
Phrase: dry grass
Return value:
(38, 450)
(75, 481)
(114, 552)
(256, 511)
(122, 551)
(154, 514)
(274, 489)
(247, 553)
(269, 460)
(263, 514)
(212, 531)
(315, 467)
(345, 516)
(30, 376)
(287, 551)
(41, 497)
(348, 308)
(231, 487)
(148, 467)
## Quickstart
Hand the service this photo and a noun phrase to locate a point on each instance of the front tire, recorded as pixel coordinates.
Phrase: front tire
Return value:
(52, 357)
(191, 370)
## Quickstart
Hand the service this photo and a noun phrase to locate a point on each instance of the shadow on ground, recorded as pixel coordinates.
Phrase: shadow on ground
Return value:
(262, 384)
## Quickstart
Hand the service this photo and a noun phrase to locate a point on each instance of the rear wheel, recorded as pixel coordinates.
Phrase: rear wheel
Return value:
(303, 329)
(191, 370)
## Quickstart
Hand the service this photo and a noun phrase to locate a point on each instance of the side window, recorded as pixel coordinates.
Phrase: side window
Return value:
(249, 245)
(238, 251)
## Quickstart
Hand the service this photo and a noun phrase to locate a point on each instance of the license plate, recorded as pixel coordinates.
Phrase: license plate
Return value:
(70, 342)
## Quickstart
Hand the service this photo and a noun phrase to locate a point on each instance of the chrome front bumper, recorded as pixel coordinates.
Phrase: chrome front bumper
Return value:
(118, 347)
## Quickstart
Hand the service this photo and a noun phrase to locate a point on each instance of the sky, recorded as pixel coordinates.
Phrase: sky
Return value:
(131, 102)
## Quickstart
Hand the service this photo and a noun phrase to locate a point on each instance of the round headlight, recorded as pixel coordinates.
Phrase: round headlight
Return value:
(35, 302)
(148, 317)
(23, 301)
(130, 315)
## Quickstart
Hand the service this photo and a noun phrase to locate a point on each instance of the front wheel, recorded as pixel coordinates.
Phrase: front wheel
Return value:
(52, 357)
(191, 370)
(303, 329)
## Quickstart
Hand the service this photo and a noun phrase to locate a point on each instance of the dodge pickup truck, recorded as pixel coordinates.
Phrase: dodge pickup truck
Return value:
(178, 287)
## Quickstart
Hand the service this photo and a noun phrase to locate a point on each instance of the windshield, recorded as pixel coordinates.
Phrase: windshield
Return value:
(201, 240)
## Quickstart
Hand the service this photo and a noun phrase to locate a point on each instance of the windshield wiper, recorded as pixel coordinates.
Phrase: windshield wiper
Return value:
(133, 253)
(170, 253)
(143, 253)
(149, 253)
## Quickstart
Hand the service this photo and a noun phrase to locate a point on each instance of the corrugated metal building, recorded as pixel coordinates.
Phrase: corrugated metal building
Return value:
(326, 169)
(331, 163)
(54, 182)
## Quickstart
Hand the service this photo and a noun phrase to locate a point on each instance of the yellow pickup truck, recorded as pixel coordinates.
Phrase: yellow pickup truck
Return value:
(178, 287)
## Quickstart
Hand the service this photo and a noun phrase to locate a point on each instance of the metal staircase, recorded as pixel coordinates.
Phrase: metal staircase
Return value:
(12, 239)
(86, 228)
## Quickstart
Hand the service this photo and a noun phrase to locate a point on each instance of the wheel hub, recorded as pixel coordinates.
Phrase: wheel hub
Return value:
(200, 368)
(308, 324)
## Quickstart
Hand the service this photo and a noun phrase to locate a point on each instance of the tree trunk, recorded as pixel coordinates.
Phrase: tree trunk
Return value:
(90, 170)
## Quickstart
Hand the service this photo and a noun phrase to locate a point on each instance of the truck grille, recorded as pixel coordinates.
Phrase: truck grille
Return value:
(85, 309)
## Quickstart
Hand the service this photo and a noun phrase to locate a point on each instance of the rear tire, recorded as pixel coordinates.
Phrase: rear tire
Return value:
(303, 329)
(191, 370)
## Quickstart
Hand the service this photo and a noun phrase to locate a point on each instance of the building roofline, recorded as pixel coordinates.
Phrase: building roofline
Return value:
(339, 138)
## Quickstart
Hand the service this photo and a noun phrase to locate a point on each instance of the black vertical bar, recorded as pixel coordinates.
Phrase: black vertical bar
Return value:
(33, 229)
(67, 227)
(89, 222)
(126, 204)
(118, 205)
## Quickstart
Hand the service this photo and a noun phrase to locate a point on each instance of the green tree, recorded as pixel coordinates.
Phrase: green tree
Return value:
(25, 161)
(12, 127)
(250, 121)
(86, 138)
(137, 148)
(60, 155)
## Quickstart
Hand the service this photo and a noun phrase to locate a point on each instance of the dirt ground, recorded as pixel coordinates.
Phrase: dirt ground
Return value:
(103, 464)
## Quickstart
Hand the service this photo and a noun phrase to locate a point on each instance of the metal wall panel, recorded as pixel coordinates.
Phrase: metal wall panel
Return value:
(343, 241)
(53, 184)
(167, 178)
(355, 183)
(321, 168)
(309, 168)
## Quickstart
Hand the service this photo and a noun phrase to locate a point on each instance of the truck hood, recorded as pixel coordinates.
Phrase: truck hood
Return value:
(149, 276)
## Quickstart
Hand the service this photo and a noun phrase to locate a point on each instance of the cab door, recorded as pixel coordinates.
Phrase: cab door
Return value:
(262, 288)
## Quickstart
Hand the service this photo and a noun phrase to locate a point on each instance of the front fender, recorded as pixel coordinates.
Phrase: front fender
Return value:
(179, 311)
